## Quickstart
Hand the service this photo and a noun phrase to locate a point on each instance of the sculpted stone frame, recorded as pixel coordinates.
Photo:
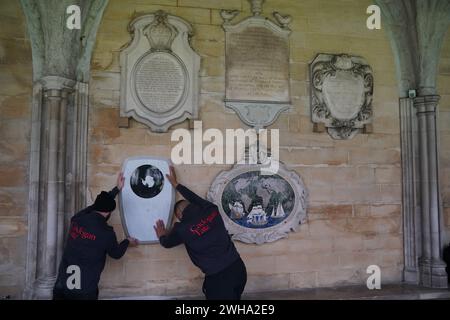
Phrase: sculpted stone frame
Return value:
(159, 38)
(281, 230)
(341, 94)
(253, 110)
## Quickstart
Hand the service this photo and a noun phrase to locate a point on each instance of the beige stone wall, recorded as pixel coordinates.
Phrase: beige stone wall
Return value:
(444, 127)
(355, 186)
(15, 123)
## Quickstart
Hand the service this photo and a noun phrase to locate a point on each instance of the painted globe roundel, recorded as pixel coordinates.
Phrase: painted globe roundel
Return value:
(257, 206)
(147, 181)
(256, 201)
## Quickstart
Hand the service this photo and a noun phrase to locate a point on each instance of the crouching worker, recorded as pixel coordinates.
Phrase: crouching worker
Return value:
(202, 231)
(90, 240)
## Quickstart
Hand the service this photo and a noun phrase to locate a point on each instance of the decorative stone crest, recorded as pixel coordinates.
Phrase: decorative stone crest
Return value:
(160, 33)
(256, 6)
(159, 72)
(257, 66)
(258, 208)
(341, 94)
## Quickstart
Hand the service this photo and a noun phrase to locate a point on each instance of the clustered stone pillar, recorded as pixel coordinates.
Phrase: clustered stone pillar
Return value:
(417, 30)
(432, 268)
(51, 198)
(410, 190)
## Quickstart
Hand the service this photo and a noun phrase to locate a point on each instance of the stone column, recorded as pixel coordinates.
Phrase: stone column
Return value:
(410, 190)
(50, 193)
(432, 268)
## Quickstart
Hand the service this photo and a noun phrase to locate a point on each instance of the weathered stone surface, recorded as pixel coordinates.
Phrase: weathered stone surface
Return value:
(15, 120)
(340, 277)
(211, 4)
(267, 282)
(12, 175)
(371, 156)
(314, 156)
(13, 202)
(12, 227)
(302, 280)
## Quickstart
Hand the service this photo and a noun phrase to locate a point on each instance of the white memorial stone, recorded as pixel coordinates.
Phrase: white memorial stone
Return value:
(146, 197)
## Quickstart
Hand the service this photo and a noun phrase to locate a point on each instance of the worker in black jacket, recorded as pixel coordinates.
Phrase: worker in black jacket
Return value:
(90, 240)
(202, 231)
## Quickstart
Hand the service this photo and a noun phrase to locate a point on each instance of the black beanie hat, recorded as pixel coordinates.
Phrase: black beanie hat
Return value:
(104, 202)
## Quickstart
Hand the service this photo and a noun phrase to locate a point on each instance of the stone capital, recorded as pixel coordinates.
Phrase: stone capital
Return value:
(56, 83)
(426, 103)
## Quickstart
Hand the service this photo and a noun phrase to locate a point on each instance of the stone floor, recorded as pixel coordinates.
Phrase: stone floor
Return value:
(387, 292)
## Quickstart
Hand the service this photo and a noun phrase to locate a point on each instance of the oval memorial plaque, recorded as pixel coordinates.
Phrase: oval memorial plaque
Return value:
(160, 81)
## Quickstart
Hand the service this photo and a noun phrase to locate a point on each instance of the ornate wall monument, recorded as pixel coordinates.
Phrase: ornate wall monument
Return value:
(341, 94)
(257, 66)
(259, 208)
(159, 72)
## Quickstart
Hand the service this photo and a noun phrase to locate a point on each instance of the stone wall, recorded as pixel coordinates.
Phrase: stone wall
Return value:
(355, 185)
(15, 125)
(444, 127)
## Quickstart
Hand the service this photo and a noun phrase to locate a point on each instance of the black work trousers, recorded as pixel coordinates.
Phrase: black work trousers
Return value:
(227, 284)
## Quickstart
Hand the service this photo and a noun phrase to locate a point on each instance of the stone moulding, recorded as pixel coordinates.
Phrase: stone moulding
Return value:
(160, 46)
(291, 223)
(257, 114)
(341, 94)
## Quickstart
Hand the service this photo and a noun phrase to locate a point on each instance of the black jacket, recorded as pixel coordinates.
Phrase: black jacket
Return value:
(90, 240)
(203, 233)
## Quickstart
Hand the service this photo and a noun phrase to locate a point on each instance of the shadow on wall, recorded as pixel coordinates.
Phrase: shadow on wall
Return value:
(446, 258)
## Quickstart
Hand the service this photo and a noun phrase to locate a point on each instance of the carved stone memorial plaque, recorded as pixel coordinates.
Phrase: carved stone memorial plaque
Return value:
(259, 208)
(159, 72)
(146, 197)
(341, 94)
(257, 66)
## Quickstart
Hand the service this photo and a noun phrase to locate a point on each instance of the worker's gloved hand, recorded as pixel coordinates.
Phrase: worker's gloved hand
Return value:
(120, 181)
(172, 177)
(133, 242)
(160, 229)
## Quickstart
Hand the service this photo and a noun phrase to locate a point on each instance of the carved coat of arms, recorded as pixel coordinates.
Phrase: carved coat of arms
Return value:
(341, 94)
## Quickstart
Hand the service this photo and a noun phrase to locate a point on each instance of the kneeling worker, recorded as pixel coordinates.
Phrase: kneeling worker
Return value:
(90, 240)
(207, 242)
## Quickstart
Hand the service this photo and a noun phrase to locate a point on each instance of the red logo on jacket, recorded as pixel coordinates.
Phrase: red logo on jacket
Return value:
(77, 231)
(204, 225)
